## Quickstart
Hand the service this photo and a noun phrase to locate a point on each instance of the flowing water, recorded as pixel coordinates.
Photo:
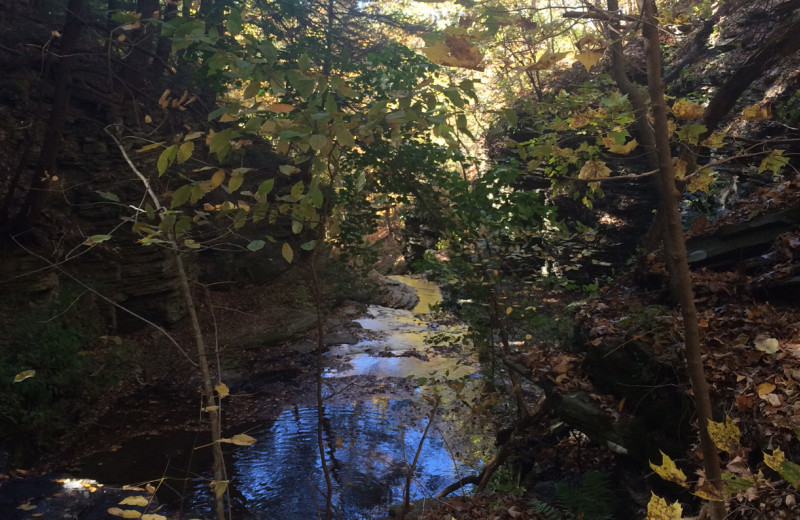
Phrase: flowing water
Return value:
(373, 426)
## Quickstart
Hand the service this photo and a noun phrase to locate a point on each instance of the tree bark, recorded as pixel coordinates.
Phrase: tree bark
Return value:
(675, 246)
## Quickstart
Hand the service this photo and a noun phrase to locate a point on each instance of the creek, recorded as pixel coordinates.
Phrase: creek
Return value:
(379, 398)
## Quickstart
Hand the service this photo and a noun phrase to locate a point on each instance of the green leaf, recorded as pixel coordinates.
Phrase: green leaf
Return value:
(287, 252)
(108, 195)
(96, 239)
(256, 245)
(266, 187)
(318, 142)
(691, 133)
(181, 195)
(316, 196)
(297, 190)
(235, 182)
(297, 227)
(221, 143)
(344, 137)
(288, 169)
(166, 158)
(511, 117)
(308, 246)
(185, 151)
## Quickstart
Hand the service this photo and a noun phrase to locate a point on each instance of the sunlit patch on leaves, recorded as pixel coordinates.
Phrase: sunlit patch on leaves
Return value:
(658, 509)
(25, 374)
(687, 110)
(701, 182)
(756, 113)
(724, 435)
(669, 471)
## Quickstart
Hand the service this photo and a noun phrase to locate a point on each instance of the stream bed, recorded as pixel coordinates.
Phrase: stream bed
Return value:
(379, 398)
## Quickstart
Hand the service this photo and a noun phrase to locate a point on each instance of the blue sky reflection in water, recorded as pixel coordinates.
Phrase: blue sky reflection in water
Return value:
(366, 449)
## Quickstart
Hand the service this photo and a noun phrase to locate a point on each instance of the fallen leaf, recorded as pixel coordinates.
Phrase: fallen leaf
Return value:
(25, 374)
(139, 501)
(765, 388)
(767, 345)
(124, 513)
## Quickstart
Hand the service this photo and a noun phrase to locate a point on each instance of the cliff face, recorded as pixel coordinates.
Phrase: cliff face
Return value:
(49, 208)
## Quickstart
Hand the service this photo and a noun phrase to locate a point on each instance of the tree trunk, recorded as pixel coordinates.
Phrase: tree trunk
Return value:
(675, 246)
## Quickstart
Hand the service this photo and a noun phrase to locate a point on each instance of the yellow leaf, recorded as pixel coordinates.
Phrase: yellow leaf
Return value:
(701, 182)
(509, 310)
(725, 435)
(756, 113)
(280, 108)
(546, 61)
(123, 513)
(707, 491)
(242, 439)
(211, 408)
(715, 140)
(287, 253)
(217, 179)
(767, 345)
(679, 168)
(222, 389)
(588, 59)
(669, 471)
(227, 118)
(776, 460)
(148, 119)
(454, 51)
(153, 517)
(622, 149)
(135, 501)
(25, 374)
(688, 110)
(765, 388)
(219, 487)
(658, 509)
(150, 489)
(579, 121)
(149, 147)
(27, 506)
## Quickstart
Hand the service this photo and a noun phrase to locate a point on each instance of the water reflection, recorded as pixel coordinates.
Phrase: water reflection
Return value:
(367, 448)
